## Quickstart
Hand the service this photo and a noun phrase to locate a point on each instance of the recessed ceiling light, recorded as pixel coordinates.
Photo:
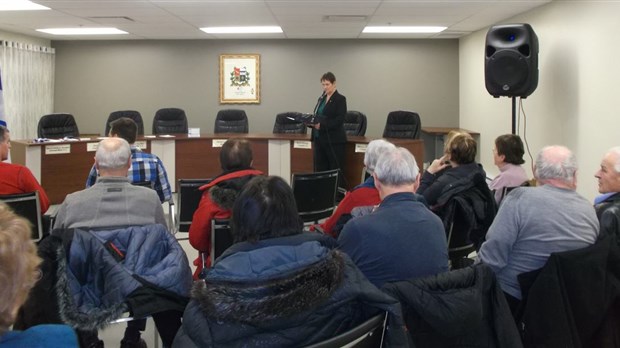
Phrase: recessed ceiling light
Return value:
(405, 30)
(242, 30)
(20, 5)
(82, 31)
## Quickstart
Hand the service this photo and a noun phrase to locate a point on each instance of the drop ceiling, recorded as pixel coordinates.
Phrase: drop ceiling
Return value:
(303, 19)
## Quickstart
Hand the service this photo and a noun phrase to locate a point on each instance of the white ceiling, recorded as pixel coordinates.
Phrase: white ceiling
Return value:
(300, 19)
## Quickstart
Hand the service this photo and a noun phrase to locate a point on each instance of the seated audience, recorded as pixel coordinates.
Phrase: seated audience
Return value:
(401, 239)
(277, 286)
(458, 162)
(534, 222)
(508, 157)
(112, 202)
(15, 178)
(219, 196)
(144, 166)
(19, 271)
(362, 195)
(608, 204)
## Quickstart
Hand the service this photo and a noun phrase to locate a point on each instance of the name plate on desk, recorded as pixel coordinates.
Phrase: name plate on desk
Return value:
(218, 142)
(302, 144)
(91, 147)
(57, 149)
(141, 144)
(361, 148)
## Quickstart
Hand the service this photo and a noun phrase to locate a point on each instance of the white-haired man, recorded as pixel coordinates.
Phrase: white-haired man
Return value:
(402, 238)
(534, 222)
(607, 205)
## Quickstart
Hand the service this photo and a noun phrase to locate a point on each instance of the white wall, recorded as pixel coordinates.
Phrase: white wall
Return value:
(575, 103)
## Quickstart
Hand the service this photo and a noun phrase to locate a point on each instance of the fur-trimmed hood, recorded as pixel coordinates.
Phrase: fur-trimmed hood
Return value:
(224, 189)
(270, 283)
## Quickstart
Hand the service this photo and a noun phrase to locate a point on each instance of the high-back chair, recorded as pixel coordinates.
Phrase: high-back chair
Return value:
(231, 121)
(56, 126)
(355, 123)
(285, 123)
(369, 334)
(221, 237)
(402, 124)
(170, 121)
(132, 114)
(315, 194)
(188, 198)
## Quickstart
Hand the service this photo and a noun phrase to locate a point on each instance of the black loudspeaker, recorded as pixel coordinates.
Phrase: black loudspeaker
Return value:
(511, 60)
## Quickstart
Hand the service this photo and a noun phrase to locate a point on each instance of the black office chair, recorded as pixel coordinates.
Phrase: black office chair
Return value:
(402, 124)
(369, 334)
(56, 126)
(28, 206)
(188, 198)
(132, 114)
(284, 124)
(231, 121)
(221, 237)
(170, 121)
(355, 123)
(315, 194)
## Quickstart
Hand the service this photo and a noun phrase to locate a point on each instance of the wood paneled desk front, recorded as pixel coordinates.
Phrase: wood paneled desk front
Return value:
(63, 167)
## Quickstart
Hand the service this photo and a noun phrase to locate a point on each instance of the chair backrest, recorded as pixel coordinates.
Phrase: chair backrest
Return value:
(27, 205)
(506, 190)
(221, 237)
(355, 123)
(315, 194)
(132, 114)
(231, 121)
(402, 124)
(170, 121)
(188, 199)
(56, 126)
(284, 124)
(369, 334)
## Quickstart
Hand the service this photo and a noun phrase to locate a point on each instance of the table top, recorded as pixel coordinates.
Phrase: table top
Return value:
(446, 130)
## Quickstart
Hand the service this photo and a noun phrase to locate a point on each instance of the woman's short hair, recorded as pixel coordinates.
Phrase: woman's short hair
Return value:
(462, 149)
(18, 264)
(511, 147)
(236, 154)
(329, 76)
(373, 151)
(397, 167)
(265, 209)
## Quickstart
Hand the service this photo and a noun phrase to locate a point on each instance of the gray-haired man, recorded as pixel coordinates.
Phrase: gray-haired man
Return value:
(534, 222)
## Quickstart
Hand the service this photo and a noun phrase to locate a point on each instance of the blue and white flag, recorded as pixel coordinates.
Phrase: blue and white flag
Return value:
(2, 115)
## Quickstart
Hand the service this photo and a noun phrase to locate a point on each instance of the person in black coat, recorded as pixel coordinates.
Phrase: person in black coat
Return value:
(328, 135)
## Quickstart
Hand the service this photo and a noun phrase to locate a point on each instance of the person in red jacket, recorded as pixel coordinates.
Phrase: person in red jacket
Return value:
(15, 178)
(362, 195)
(219, 196)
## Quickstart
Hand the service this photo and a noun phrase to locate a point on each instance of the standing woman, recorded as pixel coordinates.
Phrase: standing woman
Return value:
(328, 136)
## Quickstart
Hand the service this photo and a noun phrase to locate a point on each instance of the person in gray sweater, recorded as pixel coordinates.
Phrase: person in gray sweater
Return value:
(113, 202)
(534, 222)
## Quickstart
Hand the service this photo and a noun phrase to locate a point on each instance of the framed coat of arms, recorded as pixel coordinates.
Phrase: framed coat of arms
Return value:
(239, 78)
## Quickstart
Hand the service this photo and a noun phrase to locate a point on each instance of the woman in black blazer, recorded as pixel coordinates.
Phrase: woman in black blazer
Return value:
(328, 136)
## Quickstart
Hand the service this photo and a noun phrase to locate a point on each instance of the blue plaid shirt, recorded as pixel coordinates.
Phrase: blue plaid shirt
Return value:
(144, 167)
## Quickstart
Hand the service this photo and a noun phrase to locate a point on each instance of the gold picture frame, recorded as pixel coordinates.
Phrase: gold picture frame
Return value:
(239, 78)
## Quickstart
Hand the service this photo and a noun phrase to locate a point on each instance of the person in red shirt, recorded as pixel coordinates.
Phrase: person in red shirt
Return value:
(15, 178)
(219, 196)
(362, 195)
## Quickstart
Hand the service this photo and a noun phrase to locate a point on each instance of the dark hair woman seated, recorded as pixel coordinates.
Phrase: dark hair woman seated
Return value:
(277, 286)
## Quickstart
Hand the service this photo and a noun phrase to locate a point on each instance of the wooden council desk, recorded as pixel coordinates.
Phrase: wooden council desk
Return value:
(63, 167)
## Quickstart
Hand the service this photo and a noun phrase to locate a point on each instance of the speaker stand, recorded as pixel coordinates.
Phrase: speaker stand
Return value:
(514, 115)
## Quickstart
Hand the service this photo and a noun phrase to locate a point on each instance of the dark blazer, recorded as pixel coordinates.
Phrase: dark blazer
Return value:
(332, 120)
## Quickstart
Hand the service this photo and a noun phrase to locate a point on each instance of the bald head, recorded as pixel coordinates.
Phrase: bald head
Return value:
(556, 165)
(113, 157)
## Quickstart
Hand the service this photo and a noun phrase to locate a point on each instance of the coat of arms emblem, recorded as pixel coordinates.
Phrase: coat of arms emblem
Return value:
(239, 77)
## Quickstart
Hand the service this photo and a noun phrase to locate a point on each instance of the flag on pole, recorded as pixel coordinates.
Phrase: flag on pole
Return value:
(2, 115)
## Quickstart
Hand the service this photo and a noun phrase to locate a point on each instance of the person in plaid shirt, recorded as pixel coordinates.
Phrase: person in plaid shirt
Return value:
(144, 166)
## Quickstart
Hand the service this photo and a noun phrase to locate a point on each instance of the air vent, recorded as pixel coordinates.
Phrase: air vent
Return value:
(345, 18)
(112, 19)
